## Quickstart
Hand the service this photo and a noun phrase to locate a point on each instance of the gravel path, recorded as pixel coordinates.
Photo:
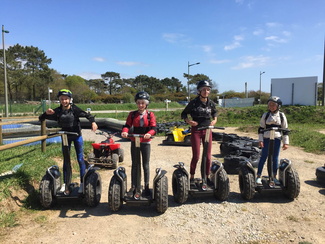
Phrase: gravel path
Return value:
(266, 219)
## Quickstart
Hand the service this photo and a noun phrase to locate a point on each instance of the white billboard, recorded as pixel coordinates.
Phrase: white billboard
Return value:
(295, 91)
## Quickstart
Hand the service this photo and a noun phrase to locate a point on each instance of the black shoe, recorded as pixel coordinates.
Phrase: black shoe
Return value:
(131, 192)
(192, 183)
(147, 192)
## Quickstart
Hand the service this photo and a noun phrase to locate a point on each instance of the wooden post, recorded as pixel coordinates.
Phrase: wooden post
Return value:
(43, 132)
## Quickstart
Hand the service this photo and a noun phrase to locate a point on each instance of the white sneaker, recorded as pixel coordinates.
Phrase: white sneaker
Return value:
(258, 181)
(62, 188)
(80, 190)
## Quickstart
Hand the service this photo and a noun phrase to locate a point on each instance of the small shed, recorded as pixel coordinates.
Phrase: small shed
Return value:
(295, 91)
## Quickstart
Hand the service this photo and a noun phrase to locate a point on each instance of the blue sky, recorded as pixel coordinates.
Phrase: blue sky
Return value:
(232, 39)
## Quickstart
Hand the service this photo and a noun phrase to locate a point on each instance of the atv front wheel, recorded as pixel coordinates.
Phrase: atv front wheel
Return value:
(115, 160)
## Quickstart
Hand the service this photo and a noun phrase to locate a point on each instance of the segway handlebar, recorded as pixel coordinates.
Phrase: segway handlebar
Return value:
(138, 135)
(210, 127)
(276, 129)
(63, 132)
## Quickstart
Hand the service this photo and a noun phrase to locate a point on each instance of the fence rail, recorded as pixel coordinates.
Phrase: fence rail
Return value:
(17, 120)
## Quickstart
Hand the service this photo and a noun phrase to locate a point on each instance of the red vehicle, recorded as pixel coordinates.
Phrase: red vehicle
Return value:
(106, 153)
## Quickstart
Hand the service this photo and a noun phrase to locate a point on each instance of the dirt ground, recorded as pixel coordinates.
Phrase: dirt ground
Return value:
(268, 218)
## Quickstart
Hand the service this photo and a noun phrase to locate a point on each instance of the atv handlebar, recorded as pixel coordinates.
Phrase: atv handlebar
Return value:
(210, 127)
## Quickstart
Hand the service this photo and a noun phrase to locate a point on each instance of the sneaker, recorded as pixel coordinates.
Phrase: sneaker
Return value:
(62, 188)
(80, 190)
(209, 182)
(259, 181)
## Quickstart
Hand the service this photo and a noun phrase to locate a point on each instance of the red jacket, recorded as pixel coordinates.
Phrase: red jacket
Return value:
(149, 124)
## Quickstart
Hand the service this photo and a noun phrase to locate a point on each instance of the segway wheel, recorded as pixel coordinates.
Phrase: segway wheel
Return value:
(93, 189)
(180, 186)
(115, 160)
(222, 192)
(114, 194)
(46, 192)
(246, 183)
(120, 154)
(161, 194)
(292, 189)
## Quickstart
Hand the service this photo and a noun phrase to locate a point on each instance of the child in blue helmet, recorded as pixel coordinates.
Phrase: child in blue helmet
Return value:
(67, 116)
(272, 118)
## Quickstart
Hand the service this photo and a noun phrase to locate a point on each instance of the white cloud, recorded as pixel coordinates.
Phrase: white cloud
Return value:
(252, 61)
(235, 44)
(275, 39)
(99, 59)
(89, 75)
(173, 37)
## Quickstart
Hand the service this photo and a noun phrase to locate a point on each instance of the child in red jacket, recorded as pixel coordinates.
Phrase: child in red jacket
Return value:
(144, 123)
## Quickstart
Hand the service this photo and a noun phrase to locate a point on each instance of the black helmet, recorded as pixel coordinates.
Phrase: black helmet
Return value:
(203, 83)
(65, 92)
(142, 95)
(276, 100)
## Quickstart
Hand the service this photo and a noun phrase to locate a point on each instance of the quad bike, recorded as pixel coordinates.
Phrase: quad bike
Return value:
(216, 184)
(50, 185)
(289, 182)
(117, 191)
(106, 153)
(178, 136)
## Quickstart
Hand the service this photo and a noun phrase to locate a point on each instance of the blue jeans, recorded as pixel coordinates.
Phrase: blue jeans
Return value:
(265, 152)
(78, 145)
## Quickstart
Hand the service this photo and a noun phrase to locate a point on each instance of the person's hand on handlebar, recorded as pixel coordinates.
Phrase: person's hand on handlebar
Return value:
(146, 136)
(124, 134)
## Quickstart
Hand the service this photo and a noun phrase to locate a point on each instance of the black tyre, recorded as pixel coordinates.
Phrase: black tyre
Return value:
(161, 194)
(187, 139)
(180, 186)
(170, 137)
(115, 160)
(114, 194)
(46, 192)
(292, 189)
(120, 153)
(93, 189)
(222, 192)
(246, 183)
(320, 175)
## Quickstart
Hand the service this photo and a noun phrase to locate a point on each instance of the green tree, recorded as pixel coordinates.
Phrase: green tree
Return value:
(109, 77)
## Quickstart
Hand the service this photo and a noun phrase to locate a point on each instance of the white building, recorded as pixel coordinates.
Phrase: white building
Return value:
(295, 91)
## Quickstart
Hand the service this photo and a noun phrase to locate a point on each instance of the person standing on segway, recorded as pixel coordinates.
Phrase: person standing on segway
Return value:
(144, 123)
(201, 109)
(67, 116)
(272, 118)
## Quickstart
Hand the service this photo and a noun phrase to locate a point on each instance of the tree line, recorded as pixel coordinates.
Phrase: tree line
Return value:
(29, 77)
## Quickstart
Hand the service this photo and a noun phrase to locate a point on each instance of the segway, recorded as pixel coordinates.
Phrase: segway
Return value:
(289, 182)
(50, 185)
(117, 192)
(217, 184)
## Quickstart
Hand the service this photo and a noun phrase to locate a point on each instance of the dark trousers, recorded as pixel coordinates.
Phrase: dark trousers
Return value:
(265, 152)
(196, 138)
(145, 155)
(78, 145)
